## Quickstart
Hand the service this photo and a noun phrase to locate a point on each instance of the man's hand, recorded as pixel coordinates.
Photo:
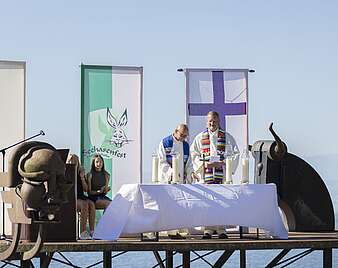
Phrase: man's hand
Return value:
(194, 176)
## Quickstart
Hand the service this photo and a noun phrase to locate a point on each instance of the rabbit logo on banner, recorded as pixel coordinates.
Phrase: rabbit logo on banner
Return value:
(108, 133)
(119, 137)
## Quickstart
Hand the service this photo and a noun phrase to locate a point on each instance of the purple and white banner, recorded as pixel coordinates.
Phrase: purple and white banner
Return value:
(224, 91)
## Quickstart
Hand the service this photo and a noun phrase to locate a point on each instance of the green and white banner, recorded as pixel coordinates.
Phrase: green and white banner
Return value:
(111, 121)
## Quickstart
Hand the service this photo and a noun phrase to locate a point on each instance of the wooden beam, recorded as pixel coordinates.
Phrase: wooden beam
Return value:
(223, 258)
(26, 264)
(45, 259)
(186, 259)
(327, 258)
(107, 259)
(169, 259)
(192, 243)
(280, 256)
(242, 259)
(159, 259)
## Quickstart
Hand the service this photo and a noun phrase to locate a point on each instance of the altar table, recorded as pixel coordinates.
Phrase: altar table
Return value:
(140, 208)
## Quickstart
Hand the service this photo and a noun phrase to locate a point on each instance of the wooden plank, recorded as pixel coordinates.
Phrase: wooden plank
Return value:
(194, 243)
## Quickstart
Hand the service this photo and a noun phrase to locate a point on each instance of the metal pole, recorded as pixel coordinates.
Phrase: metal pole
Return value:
(186, 259)
(25, 264)
(327, 258)
(158, 259)
(107, 263)
(169, 256)
(3, 234)
(276, 260)
(45, 259)
(242, 258)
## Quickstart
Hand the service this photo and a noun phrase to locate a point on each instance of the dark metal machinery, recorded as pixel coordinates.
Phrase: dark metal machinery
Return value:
(38, 187)
(302, 193)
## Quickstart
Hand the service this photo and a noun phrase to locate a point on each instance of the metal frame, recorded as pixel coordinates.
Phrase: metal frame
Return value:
(141, 124)
(107, 258)
(215, 69)
(278, 259)
(187, 93)
(247, 106)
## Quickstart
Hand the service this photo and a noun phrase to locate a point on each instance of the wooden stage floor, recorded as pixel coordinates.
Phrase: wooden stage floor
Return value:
(313, 241)
(248, 242)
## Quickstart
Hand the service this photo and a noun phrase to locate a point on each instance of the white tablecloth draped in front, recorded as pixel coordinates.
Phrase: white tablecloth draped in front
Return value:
(139, 208)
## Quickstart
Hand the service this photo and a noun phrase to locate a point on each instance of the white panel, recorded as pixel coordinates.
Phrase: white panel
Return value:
(235, 87)
(196, 125)
(200, 84)
(236, 125)
(126, 94)
(12, 112)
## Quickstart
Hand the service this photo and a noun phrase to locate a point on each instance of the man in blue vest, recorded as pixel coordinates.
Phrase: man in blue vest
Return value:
(171, 146)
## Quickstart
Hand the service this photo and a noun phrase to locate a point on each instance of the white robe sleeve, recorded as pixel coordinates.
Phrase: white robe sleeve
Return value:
(188, 170)
(164, 169)
(195, 155)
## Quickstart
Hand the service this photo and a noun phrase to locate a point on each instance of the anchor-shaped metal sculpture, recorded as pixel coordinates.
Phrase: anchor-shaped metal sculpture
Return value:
(299, 186)
(37, 189)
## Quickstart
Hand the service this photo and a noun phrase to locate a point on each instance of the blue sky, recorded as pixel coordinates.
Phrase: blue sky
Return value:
(292, 45)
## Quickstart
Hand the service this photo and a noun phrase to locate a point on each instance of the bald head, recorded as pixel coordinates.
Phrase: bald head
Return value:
(181, 132)
(182, 127)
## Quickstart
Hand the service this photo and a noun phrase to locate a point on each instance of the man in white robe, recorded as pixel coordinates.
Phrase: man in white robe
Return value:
(171, 146)
(207, 155)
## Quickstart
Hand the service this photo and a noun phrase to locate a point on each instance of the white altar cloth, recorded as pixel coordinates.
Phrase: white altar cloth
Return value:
(139, 208)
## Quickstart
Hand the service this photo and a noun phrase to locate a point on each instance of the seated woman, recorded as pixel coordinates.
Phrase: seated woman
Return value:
(98, 183)
(84, 205)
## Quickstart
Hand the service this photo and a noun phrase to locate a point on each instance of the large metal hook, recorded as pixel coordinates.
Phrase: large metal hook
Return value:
(11, 250)
(27, 255)
(18, 217)
(278, 148)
